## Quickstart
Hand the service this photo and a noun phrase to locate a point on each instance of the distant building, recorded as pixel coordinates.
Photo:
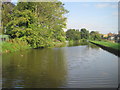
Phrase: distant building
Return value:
(117, 38)
(112, 37)
(105, 35)
(110, 34)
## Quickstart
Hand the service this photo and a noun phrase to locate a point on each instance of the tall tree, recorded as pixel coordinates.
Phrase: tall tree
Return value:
(73, 34)
(94, 35)
(84, 34)
(7, 8)
(40, 23)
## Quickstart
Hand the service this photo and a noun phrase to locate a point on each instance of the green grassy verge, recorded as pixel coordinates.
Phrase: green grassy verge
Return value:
(16, 45)
(13, 45)
(57, 44)
(108, 44)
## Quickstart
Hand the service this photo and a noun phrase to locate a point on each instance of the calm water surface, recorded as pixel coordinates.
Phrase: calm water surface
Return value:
(83, 66)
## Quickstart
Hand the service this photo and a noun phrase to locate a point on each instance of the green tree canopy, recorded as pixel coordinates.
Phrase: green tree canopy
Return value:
(73, 34)
(84, 34)
(94, 35)
(7, 10)
(39, 23)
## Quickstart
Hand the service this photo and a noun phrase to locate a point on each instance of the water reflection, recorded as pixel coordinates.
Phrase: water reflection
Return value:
(90, 45)
(77, 43)
(34, 68)
(82, 43)
(91, 68)
(83, 66)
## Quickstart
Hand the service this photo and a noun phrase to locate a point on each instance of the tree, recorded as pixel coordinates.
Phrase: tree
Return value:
(39, 23)
(84, 34)
(94, 35)
(7, 10)
(73, 34)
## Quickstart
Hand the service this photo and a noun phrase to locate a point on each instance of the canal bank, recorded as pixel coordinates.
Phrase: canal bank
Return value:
(14, 45)
(110, 47)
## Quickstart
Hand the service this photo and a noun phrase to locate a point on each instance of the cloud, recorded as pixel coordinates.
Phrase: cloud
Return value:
(102, 5)
(115, 13)
(105, 5)
(114, 6)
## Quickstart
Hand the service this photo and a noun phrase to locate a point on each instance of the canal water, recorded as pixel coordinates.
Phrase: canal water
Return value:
(74, 66)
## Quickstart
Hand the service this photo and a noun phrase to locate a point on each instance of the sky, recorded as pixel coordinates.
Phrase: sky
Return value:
(94, 16)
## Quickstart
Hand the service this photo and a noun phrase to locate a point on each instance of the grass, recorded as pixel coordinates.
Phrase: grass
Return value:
(16, 45)
(108, 44)
(13, 45)
(57, 44)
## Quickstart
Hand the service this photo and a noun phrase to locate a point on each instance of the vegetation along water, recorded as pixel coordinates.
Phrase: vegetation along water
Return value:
(31, 57)
(39, 25)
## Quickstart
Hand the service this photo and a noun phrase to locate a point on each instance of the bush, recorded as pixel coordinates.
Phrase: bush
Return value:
(14, 45)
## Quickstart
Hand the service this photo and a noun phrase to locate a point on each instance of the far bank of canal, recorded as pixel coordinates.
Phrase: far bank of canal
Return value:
(108, 46)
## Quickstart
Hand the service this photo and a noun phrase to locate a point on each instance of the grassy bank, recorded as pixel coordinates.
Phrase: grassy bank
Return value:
(17, 45)
(59, 44)
(13, 45)
(108, 44)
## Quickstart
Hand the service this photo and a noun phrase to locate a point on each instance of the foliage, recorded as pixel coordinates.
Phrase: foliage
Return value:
(38, 23)
(7, 9)
(94, 35)
(84, 34)
(14, 45)
(72, 34)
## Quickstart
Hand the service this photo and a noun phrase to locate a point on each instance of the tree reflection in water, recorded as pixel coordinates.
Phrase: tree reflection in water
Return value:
(34, 69)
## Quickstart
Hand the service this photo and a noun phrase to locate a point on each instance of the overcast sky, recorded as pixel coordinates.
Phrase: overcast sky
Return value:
(96, 16)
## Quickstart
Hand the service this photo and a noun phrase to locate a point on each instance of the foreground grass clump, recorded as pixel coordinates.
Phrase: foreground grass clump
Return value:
(14, 45)
(108, 44)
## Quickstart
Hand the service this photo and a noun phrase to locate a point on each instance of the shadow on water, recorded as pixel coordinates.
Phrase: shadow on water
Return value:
(34, 69)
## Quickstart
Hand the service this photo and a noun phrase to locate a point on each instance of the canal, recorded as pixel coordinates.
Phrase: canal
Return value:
(74, 66)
